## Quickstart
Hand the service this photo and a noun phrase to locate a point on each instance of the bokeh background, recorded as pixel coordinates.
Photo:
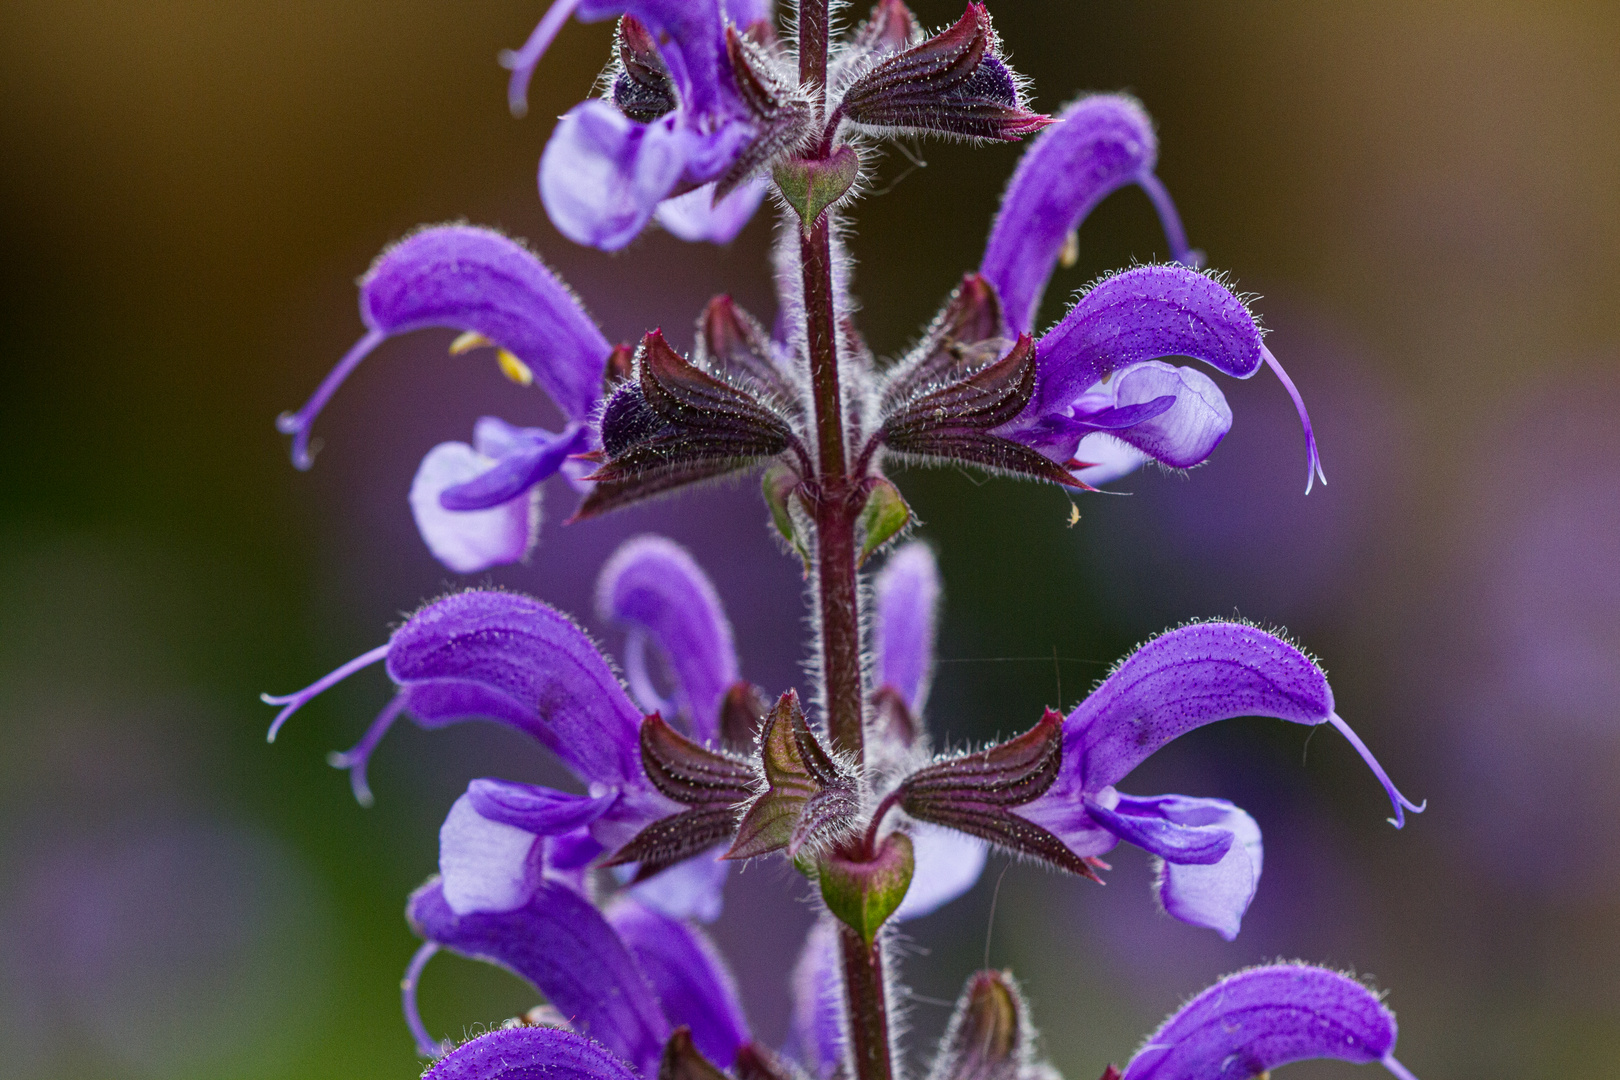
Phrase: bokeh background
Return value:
(1427, 198)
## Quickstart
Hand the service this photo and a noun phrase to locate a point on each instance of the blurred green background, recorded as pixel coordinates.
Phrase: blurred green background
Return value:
(1427, 198)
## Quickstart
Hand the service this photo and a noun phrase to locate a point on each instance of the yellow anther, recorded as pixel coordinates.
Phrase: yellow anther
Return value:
(467, 342)
(1071, 249)
(514, 369)
(1074, 515)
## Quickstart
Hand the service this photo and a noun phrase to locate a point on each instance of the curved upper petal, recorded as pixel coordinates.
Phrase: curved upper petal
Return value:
(523, 1053)
(468, 541)
(1214, 895)
(1104, 142)
(469, 278)
(1263, 1018)
(692, 981)
(653, 584)
(907, 591)
(483, 653)
(563, 945)
(1182, 680)
(1141, 314)
(948, 864)
(602, 174)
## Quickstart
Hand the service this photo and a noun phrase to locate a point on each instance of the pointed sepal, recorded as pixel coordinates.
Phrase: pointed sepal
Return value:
(642, 88)
(954, 422)
(803, 787)
(965, 336)
(989, 1036)
(674, 424)
(890, 27)
(882, 517)
(863, 893)
(781, 484)
(781, 110)
(742, 714)
(713, 783)
(976, 793)
(682, 1059)
(733, 344)
(810, 186)
(954, 83)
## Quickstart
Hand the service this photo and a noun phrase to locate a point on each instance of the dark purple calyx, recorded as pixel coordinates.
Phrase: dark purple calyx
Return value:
(780, 110)
(975, 793)
(672, 424)
(642, 88)
(733, 344)
(682, 1059)
(890, 28)
(951, 84)
(755, 1062)
(808, 797)
(954, 422)
(988, 1037)
(965, 336)
(742, 714)
(712, 782)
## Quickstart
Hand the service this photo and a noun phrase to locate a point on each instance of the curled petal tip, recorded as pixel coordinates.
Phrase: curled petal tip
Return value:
(426, 1045)
(293, 702)
(1313, 457)
(1400, 802)
(521, 62)
(297, 424)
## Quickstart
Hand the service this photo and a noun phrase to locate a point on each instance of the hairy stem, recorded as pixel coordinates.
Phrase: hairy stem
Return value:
(837, 585)
(868, 1009)
(834, 512)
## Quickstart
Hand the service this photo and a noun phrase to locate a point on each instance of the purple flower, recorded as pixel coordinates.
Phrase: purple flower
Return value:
(654, 588)
(1265, 1017)
(623, 978)
(1100, 370)
(475, 505)
(500, 656)
(1100, 374)
(1179, 681)
(518, 1053)
(673, 122)
(1103, 142)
